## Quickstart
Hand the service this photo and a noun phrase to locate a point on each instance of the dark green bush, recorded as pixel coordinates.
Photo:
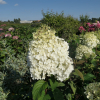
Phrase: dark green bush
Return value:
(65, 26)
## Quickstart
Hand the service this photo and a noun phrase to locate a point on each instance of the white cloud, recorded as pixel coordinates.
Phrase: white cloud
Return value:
(2, 2)
(16, 5)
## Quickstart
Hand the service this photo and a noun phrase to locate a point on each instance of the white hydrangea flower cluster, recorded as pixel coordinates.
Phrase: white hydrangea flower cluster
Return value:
(93, 91)
(83, 50)
(49, 57)
(90, 40)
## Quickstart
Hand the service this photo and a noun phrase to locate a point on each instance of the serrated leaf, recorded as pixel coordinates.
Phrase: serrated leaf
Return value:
(58, 94)
(79, 73)
(89, 77)
(72, 87)
(38, 89)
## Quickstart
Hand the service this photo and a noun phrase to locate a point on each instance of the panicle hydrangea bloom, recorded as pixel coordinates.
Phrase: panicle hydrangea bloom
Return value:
(1, 29)
(2, 35)
(11, 29)
(83, 50)
(8, 35)
(15, 37)
(3, 25)
(92, 91)
(48, 54)
(90, 40)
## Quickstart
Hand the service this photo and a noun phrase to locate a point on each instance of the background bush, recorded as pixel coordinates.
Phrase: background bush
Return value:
(65, 26)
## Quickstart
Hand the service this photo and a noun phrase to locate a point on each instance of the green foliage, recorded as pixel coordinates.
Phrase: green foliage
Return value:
(17, 20)
(15, 80)
(39, 90)
(65, 27)
(88, 77)
(84, 18)
(57, 94)
(72, 87)
(79, 73)
(3, 93)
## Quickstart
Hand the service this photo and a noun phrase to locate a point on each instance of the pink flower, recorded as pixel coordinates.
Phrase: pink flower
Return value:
(98, 25)
(3, 25)
(15, 37)
(88, 24)
(91, 29)
(11, 29)
(97, 21)
(81, 28)
(1, 29)
(8, 35)
(94, 24)
(2, 35)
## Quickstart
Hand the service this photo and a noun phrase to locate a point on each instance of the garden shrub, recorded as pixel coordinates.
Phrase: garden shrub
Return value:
(12, 77)
(35, 24)
(3, 93)
(65, 27)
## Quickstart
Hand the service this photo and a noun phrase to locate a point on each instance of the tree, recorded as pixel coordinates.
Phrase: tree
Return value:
(17, 20)
(9, 21)
(84, 18)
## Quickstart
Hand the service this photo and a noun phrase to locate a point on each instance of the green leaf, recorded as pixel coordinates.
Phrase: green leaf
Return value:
(47, 97)
(69, 97)
(97, 57)
(66, 79)
(60, 84)
(88, 77)
(77, 40)
(38, 89)
(2, 60)
(53, 85)
(72, 87)
(93, 50)
(80, 62)
(58, 94)
(3, 54)
(42, 96)
(79, 73)
(98, 53)
(94, 62)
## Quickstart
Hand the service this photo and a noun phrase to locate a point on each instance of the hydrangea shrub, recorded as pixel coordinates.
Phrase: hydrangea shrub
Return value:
(49, 54)
(83, 50)
(93, 91)
(90, 40)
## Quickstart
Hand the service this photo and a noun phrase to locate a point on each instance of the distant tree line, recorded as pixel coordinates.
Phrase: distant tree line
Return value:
(86, 19)
(82, 19)
(15, 21)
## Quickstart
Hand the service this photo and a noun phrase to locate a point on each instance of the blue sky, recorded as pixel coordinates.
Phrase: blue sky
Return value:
(31, 9)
